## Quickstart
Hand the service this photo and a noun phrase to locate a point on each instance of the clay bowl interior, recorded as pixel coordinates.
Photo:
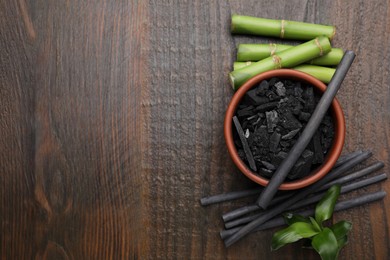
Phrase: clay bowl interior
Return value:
(338, 121)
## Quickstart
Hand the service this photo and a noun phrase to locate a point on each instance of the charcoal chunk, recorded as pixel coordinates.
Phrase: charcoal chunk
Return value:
(266, 172)
(249, 139)
(290, 134)
(254, 117)
(278, 158)
(261, 136)
(285, 144)
(310, 101)
(297, 106)
(272, 128)
(302, 166)
(301, 100)
(247, 133)
(289, 121)
(274, 141)
(262, 88)
(241, 154)
(272, 120)
(272, 95)
(298, 90)
(280, 89)
(252, 98)
(266, 107)
(273, 81)
(318, 153)
(327, 130)
(268, 165)
(245, 112)
(303, 116)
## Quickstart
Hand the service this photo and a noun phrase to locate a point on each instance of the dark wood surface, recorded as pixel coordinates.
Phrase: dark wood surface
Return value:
(111, 123)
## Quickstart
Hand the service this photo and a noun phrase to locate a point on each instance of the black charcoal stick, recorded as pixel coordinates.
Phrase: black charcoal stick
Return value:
(300, 195)
(315, 120)
(229, 196)
(343, 205)
(227, 217)
(313, 199)
(244, 142)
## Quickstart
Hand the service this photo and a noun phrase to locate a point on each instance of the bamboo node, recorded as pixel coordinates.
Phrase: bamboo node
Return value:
(272, 48)
(319, 46)
(333, 33)
(278, 61)
(282, 29)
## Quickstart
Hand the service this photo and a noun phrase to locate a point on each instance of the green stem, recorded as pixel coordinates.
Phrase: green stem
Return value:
(241, 64)
(322, 73)
(279, 28)
(285, 59)
(256, 52)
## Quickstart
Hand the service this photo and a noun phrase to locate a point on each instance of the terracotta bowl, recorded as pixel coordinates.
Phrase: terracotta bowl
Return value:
(338, 121)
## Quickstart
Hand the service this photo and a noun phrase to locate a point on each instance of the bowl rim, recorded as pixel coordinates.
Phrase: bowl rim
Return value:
(337, 115)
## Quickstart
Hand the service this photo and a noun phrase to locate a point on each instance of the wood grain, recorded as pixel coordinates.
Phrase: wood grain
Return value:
(71, 186)
(111, 125)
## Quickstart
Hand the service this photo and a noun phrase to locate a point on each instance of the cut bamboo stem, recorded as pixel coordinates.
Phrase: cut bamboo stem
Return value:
(322, 107)
(241, 64)
(284, 29)
(322, 73)
(299, 195)
(256, 52)
(285, 59)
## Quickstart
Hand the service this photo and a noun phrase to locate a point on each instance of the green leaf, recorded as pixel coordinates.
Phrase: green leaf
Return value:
(325, 207)
(291, 218)
(292, 234)
(315, 224)
(341, 229)
(325, 243)
(342, 241)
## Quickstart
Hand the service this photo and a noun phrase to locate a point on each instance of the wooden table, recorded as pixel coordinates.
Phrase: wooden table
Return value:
(111, 126)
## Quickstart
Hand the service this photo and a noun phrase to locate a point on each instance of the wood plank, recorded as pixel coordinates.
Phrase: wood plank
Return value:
(73, 96)
(111, 126)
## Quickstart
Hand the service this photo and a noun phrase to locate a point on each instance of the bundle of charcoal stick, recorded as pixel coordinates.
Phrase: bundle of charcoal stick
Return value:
(251, 218)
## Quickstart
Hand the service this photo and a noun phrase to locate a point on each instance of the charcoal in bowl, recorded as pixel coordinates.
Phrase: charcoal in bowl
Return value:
(273, 115)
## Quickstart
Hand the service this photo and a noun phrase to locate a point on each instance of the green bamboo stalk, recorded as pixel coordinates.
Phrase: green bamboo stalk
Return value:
(280, 28)
(241, 64)
(285, 59)
(324, 74)
(256, 52)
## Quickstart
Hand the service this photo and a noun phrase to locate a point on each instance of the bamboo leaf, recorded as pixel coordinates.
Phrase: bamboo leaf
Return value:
(325, 243)
(342, 241)
(292, 234)
(341, 229)
(315, 224)
(325, 207)
(291, 218)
